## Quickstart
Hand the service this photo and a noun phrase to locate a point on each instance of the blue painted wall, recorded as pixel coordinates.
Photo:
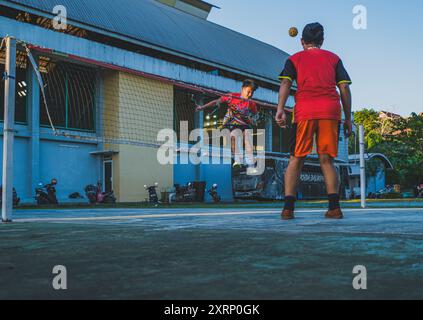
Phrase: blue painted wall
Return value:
(184, 174)
(222, 175)
(211, 174)
(21, 174)
(71, 164)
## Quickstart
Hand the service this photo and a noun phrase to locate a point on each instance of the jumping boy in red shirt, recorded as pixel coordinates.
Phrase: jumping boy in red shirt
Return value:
(240, 115)
(317, 114)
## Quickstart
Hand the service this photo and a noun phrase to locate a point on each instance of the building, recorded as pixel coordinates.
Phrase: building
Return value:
(119, 73)
(197, 8)
(377, 167)
(385, 115)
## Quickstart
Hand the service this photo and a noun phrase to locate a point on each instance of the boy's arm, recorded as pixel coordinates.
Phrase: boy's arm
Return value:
(209, 105)
(346, 98)
(287, 77)
(284, 92)
(343, 80)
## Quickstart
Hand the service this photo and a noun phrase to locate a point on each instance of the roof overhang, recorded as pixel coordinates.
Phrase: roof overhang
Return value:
(104, 153)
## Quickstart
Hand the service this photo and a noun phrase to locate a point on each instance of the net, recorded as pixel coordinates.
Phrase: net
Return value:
(21, 92)
(88, 102)
(85, 101)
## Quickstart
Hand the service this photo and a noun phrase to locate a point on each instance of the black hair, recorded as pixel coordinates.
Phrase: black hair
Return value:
(250, 83)
(314, 33)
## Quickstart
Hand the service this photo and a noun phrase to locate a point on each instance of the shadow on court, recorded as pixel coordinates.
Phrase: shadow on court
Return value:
(212, 254)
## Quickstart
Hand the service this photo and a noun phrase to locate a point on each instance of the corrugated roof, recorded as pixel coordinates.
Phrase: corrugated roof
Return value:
(164, 27)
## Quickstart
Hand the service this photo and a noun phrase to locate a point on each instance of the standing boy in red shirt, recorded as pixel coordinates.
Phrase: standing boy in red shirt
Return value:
(317, 114)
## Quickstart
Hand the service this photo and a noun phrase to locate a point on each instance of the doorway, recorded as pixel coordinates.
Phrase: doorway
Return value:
(108, 176)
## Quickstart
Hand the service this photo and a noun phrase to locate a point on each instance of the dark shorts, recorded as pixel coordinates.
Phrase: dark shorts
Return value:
(237, 127)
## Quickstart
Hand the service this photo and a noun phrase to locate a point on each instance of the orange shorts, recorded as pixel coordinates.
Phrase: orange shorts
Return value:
(326, 133)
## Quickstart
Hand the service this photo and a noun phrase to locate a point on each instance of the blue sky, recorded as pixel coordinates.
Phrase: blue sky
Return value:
(384, 61)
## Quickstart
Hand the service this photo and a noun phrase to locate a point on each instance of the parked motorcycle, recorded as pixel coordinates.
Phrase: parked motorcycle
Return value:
(152, 194)
(185, 193)
(16, 200)
(46, 194)
(214, 194)
(95, 194)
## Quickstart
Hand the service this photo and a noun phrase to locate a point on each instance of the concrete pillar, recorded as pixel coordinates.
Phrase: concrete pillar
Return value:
(199, 124)
(34, 106)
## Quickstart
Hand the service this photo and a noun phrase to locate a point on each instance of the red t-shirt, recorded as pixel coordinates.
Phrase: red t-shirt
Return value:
(317, 72)
(239, 110)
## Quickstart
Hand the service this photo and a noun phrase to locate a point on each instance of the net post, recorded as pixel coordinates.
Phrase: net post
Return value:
(362, 169)
(8, 130)
(269, 129)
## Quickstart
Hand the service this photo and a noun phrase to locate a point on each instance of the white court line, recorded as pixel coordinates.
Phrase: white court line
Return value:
(205, 214)
(147, 216)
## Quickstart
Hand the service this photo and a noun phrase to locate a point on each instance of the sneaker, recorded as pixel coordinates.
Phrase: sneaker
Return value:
(252, 171)
(288, 215)
(237, 165)
(335, 214)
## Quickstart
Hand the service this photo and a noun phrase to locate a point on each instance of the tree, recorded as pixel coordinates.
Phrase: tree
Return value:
(368, 118)
(406, 149)
(400, 139)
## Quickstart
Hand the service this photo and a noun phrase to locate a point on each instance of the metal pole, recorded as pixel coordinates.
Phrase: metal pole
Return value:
(9, 132)
(362, 169)
(269, 132)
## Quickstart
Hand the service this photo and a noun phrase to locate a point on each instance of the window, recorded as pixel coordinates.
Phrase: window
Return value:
(21, 92)
(70, 94)
(184, 111)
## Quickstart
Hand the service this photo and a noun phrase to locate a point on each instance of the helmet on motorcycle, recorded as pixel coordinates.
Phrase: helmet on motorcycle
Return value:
(40, 185)
(215, 185)
(145, 186)
(156, 184)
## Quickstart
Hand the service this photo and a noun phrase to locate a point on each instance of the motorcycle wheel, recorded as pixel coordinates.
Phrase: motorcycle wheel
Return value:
(41, 201)
(92, 199)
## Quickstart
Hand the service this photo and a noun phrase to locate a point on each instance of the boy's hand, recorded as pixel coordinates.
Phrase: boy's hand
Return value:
(281, 119)
(199, 108)
(348, 128)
